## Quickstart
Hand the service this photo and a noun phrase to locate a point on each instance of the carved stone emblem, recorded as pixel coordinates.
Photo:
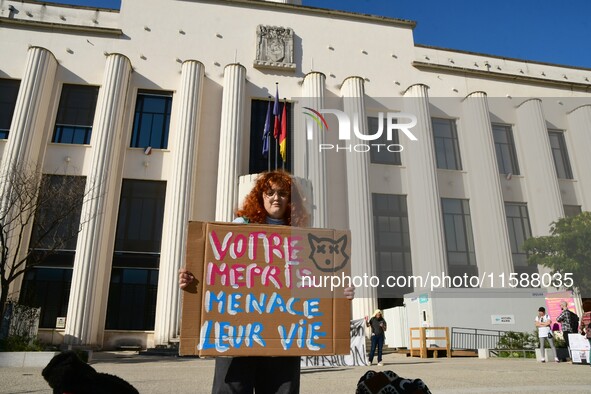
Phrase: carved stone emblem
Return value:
(274, 48)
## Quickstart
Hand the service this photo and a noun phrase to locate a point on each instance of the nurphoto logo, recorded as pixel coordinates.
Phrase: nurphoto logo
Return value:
(394, 121)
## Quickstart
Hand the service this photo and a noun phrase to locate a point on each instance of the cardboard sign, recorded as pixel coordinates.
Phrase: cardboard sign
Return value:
(265, 290)
(579, 348)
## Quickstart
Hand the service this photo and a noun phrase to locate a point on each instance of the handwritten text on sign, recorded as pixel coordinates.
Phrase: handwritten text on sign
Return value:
(251, 274)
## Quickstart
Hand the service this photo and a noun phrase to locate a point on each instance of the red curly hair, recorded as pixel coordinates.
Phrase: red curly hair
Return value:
(254, 208)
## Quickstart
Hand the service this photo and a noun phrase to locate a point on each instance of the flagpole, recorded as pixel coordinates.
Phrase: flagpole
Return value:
(268, 141)
(276, 137)
(266, 132)
(283, 161)
(268, 156)
(276, 149)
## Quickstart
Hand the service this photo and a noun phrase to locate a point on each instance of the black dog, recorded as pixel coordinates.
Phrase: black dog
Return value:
(67, 373)
(388, 382)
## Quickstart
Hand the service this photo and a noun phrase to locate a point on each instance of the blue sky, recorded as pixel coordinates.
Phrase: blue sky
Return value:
(539, 30)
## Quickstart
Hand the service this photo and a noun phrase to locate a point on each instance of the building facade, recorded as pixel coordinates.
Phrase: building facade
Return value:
(160, 107)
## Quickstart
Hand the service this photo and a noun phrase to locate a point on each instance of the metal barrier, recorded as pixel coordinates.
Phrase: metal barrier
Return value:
(475, 338)
(523, 352)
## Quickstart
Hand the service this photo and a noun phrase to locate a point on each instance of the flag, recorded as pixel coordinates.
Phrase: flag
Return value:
(276, 114)
(266, 131)
(283, 135)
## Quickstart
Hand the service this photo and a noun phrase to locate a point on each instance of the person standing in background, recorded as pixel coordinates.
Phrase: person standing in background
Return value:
(378, 329)
(585, 326)
(569, 321)
(543, 323)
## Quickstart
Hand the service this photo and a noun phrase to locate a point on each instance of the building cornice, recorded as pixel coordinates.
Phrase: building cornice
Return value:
(512, 59)
(319, 11)
(37, 2)
(501, 76)
(59, 26)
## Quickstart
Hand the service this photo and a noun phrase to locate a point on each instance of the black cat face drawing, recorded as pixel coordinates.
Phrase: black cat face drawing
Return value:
(325, 250)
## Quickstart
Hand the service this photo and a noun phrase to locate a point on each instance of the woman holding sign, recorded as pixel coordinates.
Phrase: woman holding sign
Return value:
(276, 200)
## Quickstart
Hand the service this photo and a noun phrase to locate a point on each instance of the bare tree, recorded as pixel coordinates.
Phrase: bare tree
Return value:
(39, 215)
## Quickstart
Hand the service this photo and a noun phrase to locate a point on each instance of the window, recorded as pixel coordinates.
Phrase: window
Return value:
(48, 287)
(392, 242)
(134, 276)
(571, 210)
(257, 162)
(141, 211)
(8, 94)
(560, 155)
(132, 299)
(505, 149)
(47, 284)
(447, 150)
(57, 220)
(383, 155)
(151, 120)
(519, 230)
(459, 239)
(73, 124)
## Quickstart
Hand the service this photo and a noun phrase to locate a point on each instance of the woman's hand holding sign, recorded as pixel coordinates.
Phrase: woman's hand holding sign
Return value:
(185, 278)
(349, 292)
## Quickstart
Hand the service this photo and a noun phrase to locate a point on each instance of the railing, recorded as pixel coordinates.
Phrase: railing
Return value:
(475, 338)
(512, 353)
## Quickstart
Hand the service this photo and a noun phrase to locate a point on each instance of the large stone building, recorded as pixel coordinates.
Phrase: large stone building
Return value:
(164, 101)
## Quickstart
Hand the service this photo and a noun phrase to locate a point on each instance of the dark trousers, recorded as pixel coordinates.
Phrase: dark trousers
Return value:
(565, 336)
(377, 341)
(263, 375)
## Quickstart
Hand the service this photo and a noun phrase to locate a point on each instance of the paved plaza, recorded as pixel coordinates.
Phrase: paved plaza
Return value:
(151, 374)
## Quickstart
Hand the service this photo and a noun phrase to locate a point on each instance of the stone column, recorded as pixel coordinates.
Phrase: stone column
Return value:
(28, 130)
(178, 201)
(231, 131)
(359, 200)
(537, 165)
(25, 148)
(487, 208)
(579, 136)
(90, 271)
(315, 161)
(424, 204)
